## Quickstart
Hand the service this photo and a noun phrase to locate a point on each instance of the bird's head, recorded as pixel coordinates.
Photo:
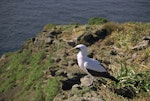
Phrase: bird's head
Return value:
(80, 47)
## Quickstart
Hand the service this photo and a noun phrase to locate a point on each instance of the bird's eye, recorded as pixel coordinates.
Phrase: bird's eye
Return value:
(78, 48)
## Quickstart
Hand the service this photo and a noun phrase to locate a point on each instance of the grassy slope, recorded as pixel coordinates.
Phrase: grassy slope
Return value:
(22, 72)
(25, 70)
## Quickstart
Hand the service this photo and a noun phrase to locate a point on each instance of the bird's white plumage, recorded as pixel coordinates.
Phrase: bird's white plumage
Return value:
(94, 65)
(91, 66)
(85, 62)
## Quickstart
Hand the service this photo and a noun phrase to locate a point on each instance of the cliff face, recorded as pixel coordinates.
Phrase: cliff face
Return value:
(44, 69)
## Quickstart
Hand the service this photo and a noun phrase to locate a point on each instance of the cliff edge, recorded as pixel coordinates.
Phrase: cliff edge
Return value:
(44, 70)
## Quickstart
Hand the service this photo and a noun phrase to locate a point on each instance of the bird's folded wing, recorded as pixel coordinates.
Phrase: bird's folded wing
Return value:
(94, 65)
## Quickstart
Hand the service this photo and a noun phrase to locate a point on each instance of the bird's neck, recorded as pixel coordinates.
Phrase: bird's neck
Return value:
(82, 54)
(81, 57)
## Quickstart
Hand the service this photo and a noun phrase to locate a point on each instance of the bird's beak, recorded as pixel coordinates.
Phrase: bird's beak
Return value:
(72, 49)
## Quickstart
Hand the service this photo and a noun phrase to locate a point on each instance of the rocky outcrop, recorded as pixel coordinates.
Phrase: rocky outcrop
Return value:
(102, 40)
(143, 44)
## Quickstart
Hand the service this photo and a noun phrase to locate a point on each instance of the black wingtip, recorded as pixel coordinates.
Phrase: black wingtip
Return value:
(103, 74)
(113, 78)
(117, 81)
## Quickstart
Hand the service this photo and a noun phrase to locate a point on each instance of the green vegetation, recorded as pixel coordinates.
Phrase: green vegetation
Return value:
(51, 89)
(97, 21)
(132, 81)
(26, 69)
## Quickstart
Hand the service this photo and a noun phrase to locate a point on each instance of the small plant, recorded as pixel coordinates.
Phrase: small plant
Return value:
(132, 82)
(97, 21)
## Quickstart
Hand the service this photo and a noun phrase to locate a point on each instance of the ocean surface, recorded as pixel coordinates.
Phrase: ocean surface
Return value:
(23, 19)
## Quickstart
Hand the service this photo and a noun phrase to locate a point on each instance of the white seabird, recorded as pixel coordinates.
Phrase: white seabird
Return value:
(91, 66)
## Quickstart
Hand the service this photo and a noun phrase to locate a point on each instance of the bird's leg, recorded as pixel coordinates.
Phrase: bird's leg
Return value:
(91, 77)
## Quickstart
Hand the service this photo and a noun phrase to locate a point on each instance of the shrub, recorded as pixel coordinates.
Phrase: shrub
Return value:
(97, 21)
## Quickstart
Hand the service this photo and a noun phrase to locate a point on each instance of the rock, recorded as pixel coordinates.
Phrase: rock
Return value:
(86, 39)
(94, 94)
(101, 34)
(3, 57)
(75, 88)
(65, 54)
(64, 63)
(113, 52)
(86, 81)
(83, 97)
(71, 43)
(33, 39)
(61, 73)
(49, 40)
(141, 45)
(55, 32)
(56, 59)
(129, 61)
(126, 92)
(70, 75)
(71, 63)
(146, 38)
(122, 54)
(52, 72)
(87, 28)
(134, 56)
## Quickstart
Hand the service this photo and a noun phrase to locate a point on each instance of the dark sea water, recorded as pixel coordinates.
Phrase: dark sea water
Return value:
(22, 19)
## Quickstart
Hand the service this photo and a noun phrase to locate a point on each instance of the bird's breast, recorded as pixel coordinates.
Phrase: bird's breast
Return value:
(80, 61)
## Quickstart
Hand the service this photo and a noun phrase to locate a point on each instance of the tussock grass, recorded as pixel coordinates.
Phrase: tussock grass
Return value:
(132, 83)
(139, 81)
